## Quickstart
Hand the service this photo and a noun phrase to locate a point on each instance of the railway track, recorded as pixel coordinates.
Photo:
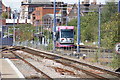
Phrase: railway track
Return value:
(48, 77)
(16, 56)
(86, 68)
(23, 58)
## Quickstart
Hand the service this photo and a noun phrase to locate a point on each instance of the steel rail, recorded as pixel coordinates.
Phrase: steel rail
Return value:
(75, 61)
(49, 78)
(69, 65)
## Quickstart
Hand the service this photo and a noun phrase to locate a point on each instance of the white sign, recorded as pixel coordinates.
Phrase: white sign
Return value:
(117, 48)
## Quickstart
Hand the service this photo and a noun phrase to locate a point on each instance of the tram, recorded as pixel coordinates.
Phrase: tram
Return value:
(65, 36)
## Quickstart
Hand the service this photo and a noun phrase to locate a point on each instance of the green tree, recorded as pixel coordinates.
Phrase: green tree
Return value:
(109, 10)
(89, 24)
(109, 34)
(89, 27)
(110, 30)
(24, 32)
(110, 21)
(4, 15)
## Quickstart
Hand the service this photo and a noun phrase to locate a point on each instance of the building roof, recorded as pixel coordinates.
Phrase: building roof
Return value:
(42, 1)
(38, 2)
(45, 0)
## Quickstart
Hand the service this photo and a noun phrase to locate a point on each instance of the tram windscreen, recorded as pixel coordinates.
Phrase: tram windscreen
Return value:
(67, 33)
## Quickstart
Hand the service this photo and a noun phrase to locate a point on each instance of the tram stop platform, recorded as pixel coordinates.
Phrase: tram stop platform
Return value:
(8, 70)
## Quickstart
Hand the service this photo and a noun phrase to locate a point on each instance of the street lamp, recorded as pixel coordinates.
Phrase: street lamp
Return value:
(1, 26)
(8, 35)
(36, 26)
(48, 30)
(67, 20)
(14, 17)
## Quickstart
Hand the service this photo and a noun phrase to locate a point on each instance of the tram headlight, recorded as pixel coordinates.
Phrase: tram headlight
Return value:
(62, 40)
(71, 40)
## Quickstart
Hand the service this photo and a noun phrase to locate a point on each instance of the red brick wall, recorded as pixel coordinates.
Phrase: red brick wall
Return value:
(3, 21)
(40, 11)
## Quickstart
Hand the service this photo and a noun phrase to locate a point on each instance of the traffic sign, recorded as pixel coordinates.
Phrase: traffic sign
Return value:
(117, 48)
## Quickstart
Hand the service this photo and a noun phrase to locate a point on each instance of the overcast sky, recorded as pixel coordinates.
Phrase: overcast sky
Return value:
(15, 4)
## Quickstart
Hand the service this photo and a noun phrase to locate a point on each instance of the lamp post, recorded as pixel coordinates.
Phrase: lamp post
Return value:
(119, 6)
(78, 28)
(14, 27)
(67, 20)
(54, 28)
(37, 27)
(1, 27)
(48, 30)
(8, 35)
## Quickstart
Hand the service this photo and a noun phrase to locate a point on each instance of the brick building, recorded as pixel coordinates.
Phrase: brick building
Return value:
(6, 10)
(49, 18)
(86, 7)
(28, 6)
(35, 9)
(39, 12)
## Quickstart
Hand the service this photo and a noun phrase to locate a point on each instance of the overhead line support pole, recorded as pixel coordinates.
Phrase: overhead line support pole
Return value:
(119, 6)
(78, 29)
(119, 23)
(54, 28)
(99, 26)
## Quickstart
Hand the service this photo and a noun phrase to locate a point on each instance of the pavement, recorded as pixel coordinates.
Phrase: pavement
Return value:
(8, 70)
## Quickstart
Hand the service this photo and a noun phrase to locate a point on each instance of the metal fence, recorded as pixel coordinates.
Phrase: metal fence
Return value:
(103, 57)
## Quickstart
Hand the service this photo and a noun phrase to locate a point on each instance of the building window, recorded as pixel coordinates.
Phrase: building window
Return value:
(31, 9)
(37, 13)
(33, 18)
(28, 16)
(57, 11)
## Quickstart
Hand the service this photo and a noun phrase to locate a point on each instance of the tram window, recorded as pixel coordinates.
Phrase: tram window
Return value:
(57, 35)
(67, 33)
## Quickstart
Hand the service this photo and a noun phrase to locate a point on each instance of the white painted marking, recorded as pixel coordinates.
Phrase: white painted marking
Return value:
(16, 70)
(117, 48)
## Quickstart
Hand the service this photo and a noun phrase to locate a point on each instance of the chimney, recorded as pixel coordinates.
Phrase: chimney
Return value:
(86, 1)
(82, 2)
